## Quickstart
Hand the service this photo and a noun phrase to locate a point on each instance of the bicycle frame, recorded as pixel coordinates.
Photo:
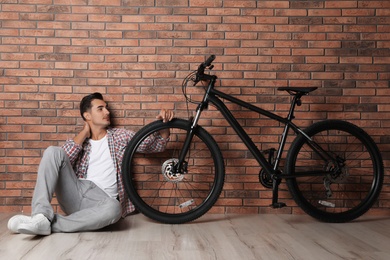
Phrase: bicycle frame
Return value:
(214, 96)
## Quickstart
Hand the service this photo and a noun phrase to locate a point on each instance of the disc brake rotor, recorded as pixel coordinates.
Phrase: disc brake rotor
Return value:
(167, 170)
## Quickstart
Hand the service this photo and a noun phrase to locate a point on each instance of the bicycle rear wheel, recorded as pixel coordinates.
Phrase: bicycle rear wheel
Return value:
(350, 183)
(170, 197)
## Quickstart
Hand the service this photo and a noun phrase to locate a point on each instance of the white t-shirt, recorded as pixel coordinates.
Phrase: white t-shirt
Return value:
(101, 168)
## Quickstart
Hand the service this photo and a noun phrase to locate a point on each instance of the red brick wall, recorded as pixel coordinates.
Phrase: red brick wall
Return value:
(137, 52)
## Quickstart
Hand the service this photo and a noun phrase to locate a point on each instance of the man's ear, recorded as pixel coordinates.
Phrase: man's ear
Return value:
(87, 116)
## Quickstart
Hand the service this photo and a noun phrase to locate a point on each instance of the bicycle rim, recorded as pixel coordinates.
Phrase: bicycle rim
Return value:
(347, 189)
(163, 195)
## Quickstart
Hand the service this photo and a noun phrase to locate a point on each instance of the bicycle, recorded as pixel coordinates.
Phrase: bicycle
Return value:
(333, 169)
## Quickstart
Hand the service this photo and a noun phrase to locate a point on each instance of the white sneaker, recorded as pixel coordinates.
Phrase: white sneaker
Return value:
(39, 225)
(15, 221)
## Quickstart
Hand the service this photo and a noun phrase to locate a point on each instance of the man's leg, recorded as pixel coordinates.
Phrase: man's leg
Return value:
(95, 210)
(88, 207)
(55, 170)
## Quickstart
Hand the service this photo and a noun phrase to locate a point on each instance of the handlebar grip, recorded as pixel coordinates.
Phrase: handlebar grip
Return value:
(209, 60)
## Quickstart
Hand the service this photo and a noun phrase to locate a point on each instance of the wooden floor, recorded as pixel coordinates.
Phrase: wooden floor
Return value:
(211, 237)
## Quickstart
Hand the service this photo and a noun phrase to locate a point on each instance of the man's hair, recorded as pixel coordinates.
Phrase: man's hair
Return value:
(86, 102)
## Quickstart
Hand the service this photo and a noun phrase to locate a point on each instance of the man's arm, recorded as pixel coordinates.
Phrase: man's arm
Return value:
(73, 147)
(156, 143)
(84, 134)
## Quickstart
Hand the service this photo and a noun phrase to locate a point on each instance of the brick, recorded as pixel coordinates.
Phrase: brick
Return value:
(18, 8)
(339, 20)
(68, 81)
(21, 73)
(9, 32)
(91, 74)
(324, 12)
(18, 40)
(191, 11)
(9, 16)
(70, 65)
(204, 3)
(54, 9)
(70, 49)
(105, 2)
(241, 4)
(87, 9)
(100, 66)
(23, 136)
(105, 50)
(155, 27)
(119, 10)
(56, 73)
(87, 58)
(37, 17)
(104, 18)
(18, 24)
(138, 3)
(273, 4)
(87, 26)
(72, 34)
(53, 41)
(23, 104)
(106, 34)
(8, 48)
(36, 65)
(53, 25)
(172, 19)
(138, 18)
(103, 82)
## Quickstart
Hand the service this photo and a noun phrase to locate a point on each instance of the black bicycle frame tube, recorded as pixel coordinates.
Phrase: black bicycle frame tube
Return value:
(212, 97)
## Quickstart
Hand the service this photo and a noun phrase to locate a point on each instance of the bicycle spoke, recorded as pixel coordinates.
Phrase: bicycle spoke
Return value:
(169, 192)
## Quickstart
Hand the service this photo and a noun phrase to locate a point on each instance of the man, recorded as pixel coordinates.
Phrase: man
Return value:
(85, 174)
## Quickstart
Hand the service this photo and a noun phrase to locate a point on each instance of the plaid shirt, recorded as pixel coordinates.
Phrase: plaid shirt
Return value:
(117, 142)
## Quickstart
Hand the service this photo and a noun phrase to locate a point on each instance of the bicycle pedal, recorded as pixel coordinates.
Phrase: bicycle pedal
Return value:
(278, 205)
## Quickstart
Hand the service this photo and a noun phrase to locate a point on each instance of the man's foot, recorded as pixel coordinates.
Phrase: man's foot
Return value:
(15, 221)
(39, 225)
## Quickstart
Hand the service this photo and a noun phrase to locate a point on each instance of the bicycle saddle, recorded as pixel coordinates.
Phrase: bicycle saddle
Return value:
(298, 90)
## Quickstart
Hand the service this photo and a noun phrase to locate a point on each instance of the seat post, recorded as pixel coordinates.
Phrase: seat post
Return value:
(295, 101)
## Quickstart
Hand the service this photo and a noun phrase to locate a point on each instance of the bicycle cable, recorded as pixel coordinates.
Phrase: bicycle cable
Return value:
(190, 78)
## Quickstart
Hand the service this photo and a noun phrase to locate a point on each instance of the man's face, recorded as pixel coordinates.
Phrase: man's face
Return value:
(99, 114)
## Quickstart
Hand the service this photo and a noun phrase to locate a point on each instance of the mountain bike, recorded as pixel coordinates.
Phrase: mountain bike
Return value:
(333, 169)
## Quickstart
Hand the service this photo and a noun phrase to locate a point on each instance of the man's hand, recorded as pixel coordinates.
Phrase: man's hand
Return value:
(165, 115)
(86, 130)
(85, 133)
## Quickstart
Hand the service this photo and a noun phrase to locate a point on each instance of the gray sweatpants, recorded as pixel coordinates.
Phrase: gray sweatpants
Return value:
(87, 207)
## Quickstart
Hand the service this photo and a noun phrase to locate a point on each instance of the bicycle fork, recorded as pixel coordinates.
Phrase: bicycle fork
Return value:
(181, 165)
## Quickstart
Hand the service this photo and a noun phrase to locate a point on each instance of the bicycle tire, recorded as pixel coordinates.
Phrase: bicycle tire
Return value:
(163, 196)
(343, 195)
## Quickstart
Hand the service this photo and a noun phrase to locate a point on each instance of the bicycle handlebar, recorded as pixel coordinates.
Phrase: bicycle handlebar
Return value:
(209, 61)
(200, 72)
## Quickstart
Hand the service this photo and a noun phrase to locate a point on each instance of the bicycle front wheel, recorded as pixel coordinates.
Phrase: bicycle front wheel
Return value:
(157, 190)
(346, 184)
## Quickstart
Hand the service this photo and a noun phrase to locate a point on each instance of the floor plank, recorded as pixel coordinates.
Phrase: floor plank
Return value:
(224, 237)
